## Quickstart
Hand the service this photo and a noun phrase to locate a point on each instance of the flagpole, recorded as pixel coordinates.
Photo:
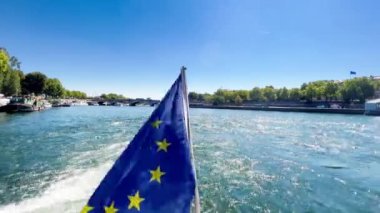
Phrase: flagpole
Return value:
(197, 205)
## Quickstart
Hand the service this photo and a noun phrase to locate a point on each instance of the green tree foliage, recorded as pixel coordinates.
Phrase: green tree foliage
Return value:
(34, 83)
(283, 94)
(366, 87)
(10, 77)
(218, 100)
(376, 84)
(310, 92)
(11, 85)
(331, 90)
(313, 90)
(112, 96)
(230, 95)
(269, 93)
(4, 66)
(227, 95)
(295, 94)
(54, 88)
(303, 86)
(208, 98)
(319, 89)
(198, 97)
(4, 60)
(242, 94)
(13, 81)
(256, 94)
(238, 100)
(75, 94)
(357, 89)
(193, 96)
(21, 75)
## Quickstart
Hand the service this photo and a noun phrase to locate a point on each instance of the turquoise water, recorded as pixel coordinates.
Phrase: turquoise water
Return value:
(247, 161)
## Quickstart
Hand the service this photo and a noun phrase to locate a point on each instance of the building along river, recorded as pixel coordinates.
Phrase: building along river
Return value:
(247, 161)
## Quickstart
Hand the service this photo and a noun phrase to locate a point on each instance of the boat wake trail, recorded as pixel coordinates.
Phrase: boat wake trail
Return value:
(66, 195)
(70, 191)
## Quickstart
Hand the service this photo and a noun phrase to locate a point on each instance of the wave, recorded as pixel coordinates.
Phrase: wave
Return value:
(72, 188)
(66, 195)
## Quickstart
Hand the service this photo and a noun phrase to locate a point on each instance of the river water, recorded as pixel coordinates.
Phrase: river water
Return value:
(246, 161)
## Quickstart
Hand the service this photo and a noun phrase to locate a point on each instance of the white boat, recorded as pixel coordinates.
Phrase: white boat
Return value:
(4, 101)
(79, 103)
(372, 107)
(46, 104)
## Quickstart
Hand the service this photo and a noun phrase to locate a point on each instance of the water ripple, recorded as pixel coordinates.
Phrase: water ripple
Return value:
(246, 161)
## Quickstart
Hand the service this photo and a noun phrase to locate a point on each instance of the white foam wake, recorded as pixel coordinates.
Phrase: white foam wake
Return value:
(70, 192)
(66, 195)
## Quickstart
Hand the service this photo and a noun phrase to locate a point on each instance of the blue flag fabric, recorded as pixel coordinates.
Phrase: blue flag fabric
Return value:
(155, 172)
(352, 73)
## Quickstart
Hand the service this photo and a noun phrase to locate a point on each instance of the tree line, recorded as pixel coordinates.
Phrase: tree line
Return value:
(352, 90)
(13, 81)
(112, 96)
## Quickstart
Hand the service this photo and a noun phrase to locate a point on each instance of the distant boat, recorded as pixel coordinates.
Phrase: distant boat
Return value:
(61, 104)
(46, 104)
(66, 105)
(118, 104)
(105, 103)
(92, 103)
(79, 103)
(372, 107)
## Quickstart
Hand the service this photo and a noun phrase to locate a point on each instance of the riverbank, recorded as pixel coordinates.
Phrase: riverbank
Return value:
(284, 109)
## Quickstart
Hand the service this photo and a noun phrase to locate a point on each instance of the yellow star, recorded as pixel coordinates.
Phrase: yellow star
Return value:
(156, 123)
(86, 209)
(163, 145)
(156, 175)
(111, 208)
(135, 201)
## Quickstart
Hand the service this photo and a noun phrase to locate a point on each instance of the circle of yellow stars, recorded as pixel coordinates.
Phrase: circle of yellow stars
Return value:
(135, 200)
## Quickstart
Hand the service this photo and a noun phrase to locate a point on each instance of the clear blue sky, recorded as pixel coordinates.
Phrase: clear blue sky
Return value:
(136, 47)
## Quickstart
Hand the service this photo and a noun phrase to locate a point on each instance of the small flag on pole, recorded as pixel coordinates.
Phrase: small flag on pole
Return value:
(155, 173)
(352, 73)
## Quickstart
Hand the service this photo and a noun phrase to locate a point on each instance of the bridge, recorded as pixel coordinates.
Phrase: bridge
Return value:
(128, 101)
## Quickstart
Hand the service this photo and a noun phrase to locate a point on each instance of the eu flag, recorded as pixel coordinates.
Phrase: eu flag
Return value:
(155, 172)
(352, 73)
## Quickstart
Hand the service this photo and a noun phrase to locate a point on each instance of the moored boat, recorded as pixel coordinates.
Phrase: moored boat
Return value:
(92, 103)
(21, 104)
(118, 104)
(105, 103)
(46, 104)
(3, 101)
(79, 103)
(66, 105)
(372, 107)
(61, 103)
